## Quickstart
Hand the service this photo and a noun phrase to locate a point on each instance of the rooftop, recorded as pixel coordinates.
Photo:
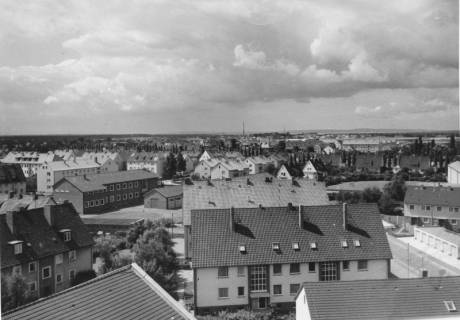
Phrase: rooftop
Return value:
(435, 196)
(11, 173)
(168, 191)
(417, 298)
(258, 228)
(126, 293)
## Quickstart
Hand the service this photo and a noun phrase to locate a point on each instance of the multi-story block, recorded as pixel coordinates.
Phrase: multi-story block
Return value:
(432, 206)
(106, 191)
(153, 162)
(12, 179)
(47, 246)
(30, 162)
(109, 161)
(259, 257)
(453, 172)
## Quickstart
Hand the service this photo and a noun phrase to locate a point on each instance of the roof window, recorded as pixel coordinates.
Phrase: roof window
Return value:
(313, 246)
(242, 248)
(276, 246)
(344, 244)
(295, 246)
(357, 243)
(450, 305)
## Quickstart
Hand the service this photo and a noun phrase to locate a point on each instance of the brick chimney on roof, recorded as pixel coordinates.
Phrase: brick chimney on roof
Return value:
(232, 219)
(9, 217)
(345, 215)
(49, 213)
(300, 217)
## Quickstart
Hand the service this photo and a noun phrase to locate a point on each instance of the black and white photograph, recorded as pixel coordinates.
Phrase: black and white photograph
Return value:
(229, 159)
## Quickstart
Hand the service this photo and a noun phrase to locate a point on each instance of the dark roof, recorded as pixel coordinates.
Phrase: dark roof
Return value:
(435, 196)
(98, 181)
(370, 161)
(258, 228)
(41, 239)
(414, 162)
(11, 173)
(126, 293)
(419, 298)
(166, 191)
(239, 193)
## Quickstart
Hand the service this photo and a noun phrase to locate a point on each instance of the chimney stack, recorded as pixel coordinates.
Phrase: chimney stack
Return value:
(48, 212)
(300, 217)
(345, 215)
(9, 217)
(231, 219)
(290, 206)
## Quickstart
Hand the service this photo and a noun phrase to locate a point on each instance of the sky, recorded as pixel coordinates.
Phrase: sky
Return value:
(161, 66)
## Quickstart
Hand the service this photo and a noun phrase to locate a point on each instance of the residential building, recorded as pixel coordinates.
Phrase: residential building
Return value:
(278, 159)
(12, 179)
(47, 246)
(125, 293)
(110, 160)
(309, 171)
(453, 172)
(30, 162)
(51, 172)
(151, 161)
(102, 192)
(414, 163)
(228, 169)
(258, 164)
(205, 156)
(447, 243)
(392, 299)
(204, 167)
(283, 173)
(432, 206)
(167, 197)
(259, 257)
(247, 192)
(369, 162)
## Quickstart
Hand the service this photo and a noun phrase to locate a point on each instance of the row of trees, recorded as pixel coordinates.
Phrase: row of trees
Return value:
(174, 163)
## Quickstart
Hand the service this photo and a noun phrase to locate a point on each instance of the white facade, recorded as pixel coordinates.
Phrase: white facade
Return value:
(309, 171)
(154, 164)
(203, 169)
(453, 173)
(205, 156)
(447, 246)
(30, 162)
(302, 311)
(283, 173)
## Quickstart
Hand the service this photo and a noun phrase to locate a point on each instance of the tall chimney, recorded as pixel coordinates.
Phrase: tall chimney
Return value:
(231, 219)
(9, 216)
(345, 215)
(48, 212)
(300, 217)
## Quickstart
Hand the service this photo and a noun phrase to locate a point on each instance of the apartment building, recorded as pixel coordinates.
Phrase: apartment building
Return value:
(12, 179)
(151, 161)
(48, 246)
(228, 169)
(432, 205)
(30, 162)
(259, 257)
(258, 164)
(97, 193)
(453, 172)
(110, 160)
(247, 192)
(51, 172)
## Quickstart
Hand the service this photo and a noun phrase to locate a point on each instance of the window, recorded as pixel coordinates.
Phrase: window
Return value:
(311, 267)
(46, 272)
(362, 265)
(111, 188)
(130, 195)
(97, 202)
(411, 207)
(72, 255)
(450, 305)
(101, 202)
(276, 246)
(32, 266)
(426, 220)
(241, 271)
(456, 209)
(277, 269)
(18, 248)
(118, 186)
(112, 198)
(438, 208)
(124, 185)
(136, 194)
(91, 204)
(293, 288)
(32, 286)
(258, 279)
(17, 270)
(223, 293)
(313, 246)
(59, 278)
(427, 208)
(240, 291)
(86, 204)
(294, 268)
(67, 235)
(58, 258)
(277, 289)
(451, 209)
(453, 222)
(72, 275)
(125, 196)
(118, 197)
(344, 244)
(346, 265)
(295, 246)
(357, 243)
(136, 184)
(222, 272)
(130, 185)
(328, 271)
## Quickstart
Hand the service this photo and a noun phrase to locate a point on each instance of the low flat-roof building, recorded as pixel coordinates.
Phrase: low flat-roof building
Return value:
(453, 172)
(167, 197)
(445, 242)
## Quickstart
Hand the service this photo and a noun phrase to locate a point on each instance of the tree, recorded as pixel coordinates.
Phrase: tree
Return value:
(181, 164)
(14, 291)
(83, 276)
(371, 194)
(396, 188)
(170, 167)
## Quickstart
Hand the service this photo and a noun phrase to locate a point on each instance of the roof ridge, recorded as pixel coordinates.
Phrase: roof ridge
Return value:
(98, 278)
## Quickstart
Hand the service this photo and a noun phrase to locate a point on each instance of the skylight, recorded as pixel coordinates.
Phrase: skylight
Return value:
(344, 244)
(295, 246)
(276, 246)
(450, 305)
(313, 245)
(357, 243)
(243, 248)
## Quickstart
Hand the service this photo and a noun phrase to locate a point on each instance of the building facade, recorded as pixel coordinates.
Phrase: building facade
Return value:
(30, 162)
(12, 179)
(453, 172)
(445, 242)
(167, 197)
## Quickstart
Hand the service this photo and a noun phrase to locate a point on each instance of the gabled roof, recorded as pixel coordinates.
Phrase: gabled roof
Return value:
(72, 164)
(98, 181)
(455, 165)
(418, 298)
(41, 239)
(126, 293)
(258, 228)
(28, 202)
(166, 191)
(11, 173)
(239, 193)
(435, 196)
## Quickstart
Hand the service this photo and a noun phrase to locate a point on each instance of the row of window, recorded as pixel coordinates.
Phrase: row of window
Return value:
(223, 293)
(438, 208)
(125, 185)
(58, 259)
(294, 268)
(101, 202)
(436, 221)
(59, 279)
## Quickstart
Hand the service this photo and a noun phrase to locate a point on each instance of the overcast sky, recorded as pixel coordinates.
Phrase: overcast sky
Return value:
(118, 66)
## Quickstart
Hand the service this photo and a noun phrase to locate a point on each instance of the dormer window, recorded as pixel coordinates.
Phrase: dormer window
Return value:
(313, 246)
(66, 234)
(276, 246)
(344, 244)
(450, 305)
(17, 246)
(357, 243)
(295, 246)
(242, 249)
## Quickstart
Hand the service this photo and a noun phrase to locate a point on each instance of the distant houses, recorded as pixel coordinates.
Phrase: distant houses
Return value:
(12, 179)
(30, 162)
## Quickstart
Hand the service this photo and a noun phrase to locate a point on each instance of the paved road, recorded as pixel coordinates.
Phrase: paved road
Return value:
(408, 261)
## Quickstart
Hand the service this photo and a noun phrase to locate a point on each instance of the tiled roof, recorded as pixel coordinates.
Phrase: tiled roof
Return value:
(126, 293)
(72, 164)
(435, 196)
(41, 239)
(97, 181)
(27, 201)
(167, 191)
(258, 228)
(30, 157)
(147, 156)
(238, 193)
(11, 173)
(357, 185)
(419, 298)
